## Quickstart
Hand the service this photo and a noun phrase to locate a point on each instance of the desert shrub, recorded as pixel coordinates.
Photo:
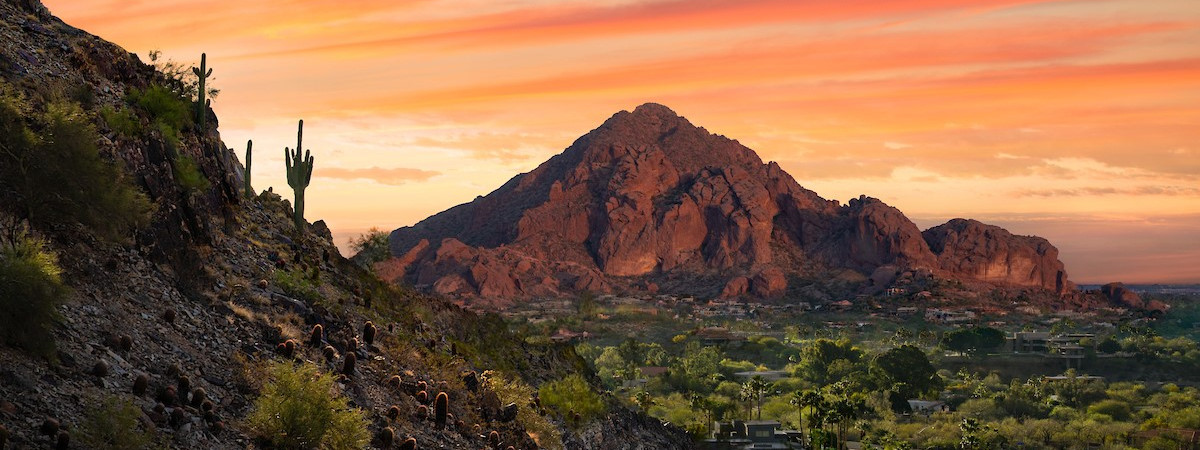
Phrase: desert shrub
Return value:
(179, 77)
(572, 395)
(121, 121)
(295, 284)
(515, 391)
(114, 424)
(299, 408)
(370, 247)
(59, 177)
(31, 288)
(188, 175)
(163, 105)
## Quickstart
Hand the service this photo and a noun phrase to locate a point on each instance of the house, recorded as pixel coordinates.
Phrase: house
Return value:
(653, 371)
(1029, 341)
(716, 336)
(1185, 439)
(754, 434)
(927, 407)
(949, 317)
(564, 335)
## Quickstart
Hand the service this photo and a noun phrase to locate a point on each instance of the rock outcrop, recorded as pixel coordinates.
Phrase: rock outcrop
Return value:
(973, 250)
(1118, 294)
(648, 197)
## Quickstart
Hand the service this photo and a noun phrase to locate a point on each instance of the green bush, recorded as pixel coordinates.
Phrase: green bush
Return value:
(371, 247)
(31, 288)
(169, 135)
(121, 121)
(188, 175)
(58, 176)
(114, 425)
(514, 391)
(572, 394)
(163, 105)
(298, 408)
(295, 284)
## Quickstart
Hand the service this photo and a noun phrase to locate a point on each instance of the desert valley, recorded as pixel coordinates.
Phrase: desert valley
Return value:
(647, 284)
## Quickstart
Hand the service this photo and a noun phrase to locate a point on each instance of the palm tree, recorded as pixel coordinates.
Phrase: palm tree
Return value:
(844, 411)
(811, 399)
(754, 390)
(747, 396)
(704, 405)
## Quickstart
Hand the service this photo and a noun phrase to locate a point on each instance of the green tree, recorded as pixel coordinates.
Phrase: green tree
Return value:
(609, 365)
(811, 399)
(844, 408)
(698, 366)
(1109, 345)
(754, 389)
(631, 352)
(907, 372)
(824, 361)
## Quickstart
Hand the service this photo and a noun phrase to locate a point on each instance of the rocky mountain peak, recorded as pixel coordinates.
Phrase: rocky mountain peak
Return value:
(649, 196)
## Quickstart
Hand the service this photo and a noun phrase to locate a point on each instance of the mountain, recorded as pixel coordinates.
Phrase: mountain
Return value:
(165, 272)
(648, 199)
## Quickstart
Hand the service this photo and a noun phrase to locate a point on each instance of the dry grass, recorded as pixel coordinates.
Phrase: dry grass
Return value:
(243, 312)
(290, 325)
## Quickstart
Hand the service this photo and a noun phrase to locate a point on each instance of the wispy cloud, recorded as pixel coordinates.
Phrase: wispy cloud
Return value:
(1105, 191)
(392, 176)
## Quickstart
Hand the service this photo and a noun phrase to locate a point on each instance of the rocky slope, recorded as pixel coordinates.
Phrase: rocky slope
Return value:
(648, 198)
(215, 282)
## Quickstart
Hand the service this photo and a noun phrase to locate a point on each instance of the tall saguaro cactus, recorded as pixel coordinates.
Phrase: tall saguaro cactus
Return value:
(202, 73)
(299, 173)
(249, 188)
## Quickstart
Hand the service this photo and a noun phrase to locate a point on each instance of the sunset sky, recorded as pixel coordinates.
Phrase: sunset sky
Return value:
(1078, 121)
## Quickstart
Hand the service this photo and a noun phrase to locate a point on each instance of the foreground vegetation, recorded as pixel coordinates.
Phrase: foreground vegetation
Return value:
(855, 384)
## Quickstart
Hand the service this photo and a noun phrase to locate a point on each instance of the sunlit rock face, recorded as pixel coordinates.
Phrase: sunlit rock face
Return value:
(649, 196)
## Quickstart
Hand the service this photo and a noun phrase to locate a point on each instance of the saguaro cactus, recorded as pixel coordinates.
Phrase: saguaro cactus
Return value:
(249, 189)
(299, 173)
(202, 73)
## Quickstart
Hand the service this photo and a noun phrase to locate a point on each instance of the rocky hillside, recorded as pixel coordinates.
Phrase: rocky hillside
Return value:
(180, 292)
(648, 200)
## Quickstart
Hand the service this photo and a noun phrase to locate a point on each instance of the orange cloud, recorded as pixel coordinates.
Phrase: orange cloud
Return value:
(1108, 190)
(392, 176)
